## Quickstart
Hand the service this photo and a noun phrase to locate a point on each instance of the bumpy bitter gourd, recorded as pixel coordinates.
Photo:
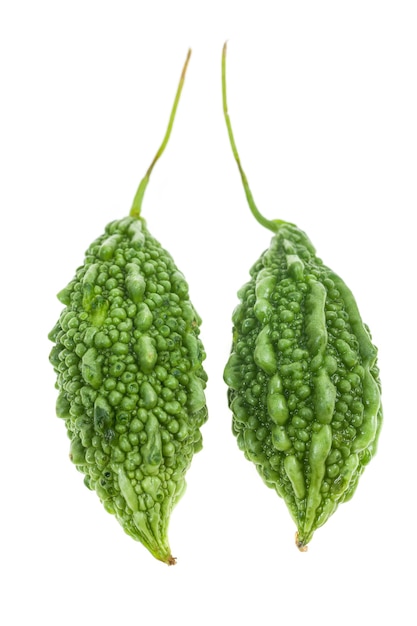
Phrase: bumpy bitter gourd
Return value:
(304, 386)
(129, 370)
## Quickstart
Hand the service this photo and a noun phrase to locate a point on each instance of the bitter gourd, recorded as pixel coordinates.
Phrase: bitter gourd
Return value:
(128, 359)
(304, 386)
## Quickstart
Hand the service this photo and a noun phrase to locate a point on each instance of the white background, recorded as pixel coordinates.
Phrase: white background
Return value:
(323, 102)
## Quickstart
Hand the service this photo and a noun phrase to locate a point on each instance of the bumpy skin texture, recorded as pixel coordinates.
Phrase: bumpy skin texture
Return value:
(304, 386)
(131, 384)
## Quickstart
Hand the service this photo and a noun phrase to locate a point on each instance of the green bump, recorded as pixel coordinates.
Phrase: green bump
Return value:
(127, 490)
(102, 341)
(179, 284)
(148, 395)
(151, 485)
(136, 234)
(348, 470)
(327, 509)
(90, 276)
(98, 310)
(294, 470)
(288, 246)
(265, 285)
(263, 310)
(321, 442)
(172, 407)
(77, 452)
(152, 449)
(135, 283)
(368, 429)
(102, 413)
(264, 353)
(253, 445)
(191, 343)
(275, 384)
(64, 296)
(53, 334)
(277, 408)
(89, 281)
(324, 397)
(196, 398)
(315, 319)
(89, 336)
(295, 267)
(91, 368)
(320, 447)
(62, 406)
(280, 439)
(367, 350)
(237, 315)
(146, 353)
(108, 247)
(240, 409)
(232, 372)
(88, 396)
(144, 318)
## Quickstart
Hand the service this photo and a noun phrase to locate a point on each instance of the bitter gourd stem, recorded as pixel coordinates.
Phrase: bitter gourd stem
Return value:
(137, 202)
(271, 224)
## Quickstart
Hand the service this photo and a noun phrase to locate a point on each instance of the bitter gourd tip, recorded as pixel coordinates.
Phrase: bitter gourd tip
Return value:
(300, 544)
(137, 201)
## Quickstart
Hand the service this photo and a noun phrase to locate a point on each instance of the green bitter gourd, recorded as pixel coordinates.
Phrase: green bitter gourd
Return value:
(129, 370)
(304, 386)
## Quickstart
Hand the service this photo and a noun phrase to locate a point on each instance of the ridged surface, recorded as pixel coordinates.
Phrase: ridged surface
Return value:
(303, 382)
(131, 384)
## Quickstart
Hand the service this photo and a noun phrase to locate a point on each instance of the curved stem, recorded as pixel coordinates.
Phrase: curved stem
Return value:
(271, 224)
(137, 202)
